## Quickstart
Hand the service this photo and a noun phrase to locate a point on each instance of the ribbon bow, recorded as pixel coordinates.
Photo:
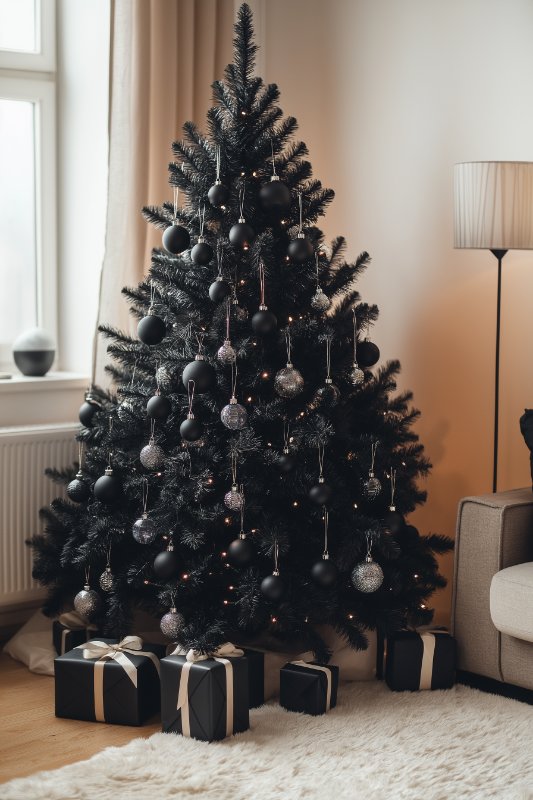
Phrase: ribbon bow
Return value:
(226, 650)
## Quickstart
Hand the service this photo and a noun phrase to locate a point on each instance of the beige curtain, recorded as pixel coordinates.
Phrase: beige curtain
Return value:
(164, 56)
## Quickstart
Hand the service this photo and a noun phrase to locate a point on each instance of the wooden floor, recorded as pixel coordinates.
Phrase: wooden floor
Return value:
(33, 739)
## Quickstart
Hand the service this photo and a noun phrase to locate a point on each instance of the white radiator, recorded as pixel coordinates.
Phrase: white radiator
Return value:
(24, 488)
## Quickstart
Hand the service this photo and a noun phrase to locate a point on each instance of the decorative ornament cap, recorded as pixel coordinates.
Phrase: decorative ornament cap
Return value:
(170, 548)
(190, 415)
(289, 365)
(300, 235)
(274, 178)
(173, 610)
(276, 573)
(87, 588)
(329, 381)
(79, 474)
(286, 450)
(369, 559)
(199, 357)
(392, 508)
(263, 307)
(321, 479)
(325, 556)
(218, 182)
(233, 400)
(241, 220)
(242, 535)
(108, 471)
(201, 239)
(145, 515)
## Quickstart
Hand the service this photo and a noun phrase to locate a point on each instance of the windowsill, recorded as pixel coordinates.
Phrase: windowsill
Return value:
(52, 381)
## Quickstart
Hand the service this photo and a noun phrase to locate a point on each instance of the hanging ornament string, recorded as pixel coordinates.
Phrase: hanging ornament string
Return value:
(219, 257)
(261, 284)
(241, 490)
(273, 159)
(152, 431)
(392, 489)
(200, 342)
(110, 457)
(228, 314)
(321, 450)
(234, 469)
(234, 371)
(201, 218)
(276, 557)
(217, 161)
(87, 575)
(374, 447)
(354, 336)
(326, 527)
(108, 561)
(190, 392)
(80, 456)
(176, 203)
(300, 205)
(145, 494)
(317, 267)
(286, 434)
(329, 338)
(241, 199)
(369, 542)
(288, 344)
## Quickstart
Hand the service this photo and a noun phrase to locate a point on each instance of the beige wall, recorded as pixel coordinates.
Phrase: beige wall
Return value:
(389, 95)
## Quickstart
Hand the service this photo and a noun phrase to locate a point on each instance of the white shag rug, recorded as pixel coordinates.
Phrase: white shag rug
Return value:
(376, 745)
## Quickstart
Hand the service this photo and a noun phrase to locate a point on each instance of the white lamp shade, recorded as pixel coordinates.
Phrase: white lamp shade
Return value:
(494, 205)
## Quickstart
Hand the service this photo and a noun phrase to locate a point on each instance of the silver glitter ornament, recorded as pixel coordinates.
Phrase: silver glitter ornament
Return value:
(367, 576)
(171, 623)
(329, 393)
(226, 354)
(144, 530)
(288, 382)
(233, 499)
(107, 580)
(320, 301)
(126, 410)
(371, 487)
(356, 375)
(164, 377)
(87, 602)
(152, 456)
(234, 416)
(239, 313)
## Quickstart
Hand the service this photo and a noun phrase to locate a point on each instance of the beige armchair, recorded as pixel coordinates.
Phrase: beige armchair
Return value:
(494, 546)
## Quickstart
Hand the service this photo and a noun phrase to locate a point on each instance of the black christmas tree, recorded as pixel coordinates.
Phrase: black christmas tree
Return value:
(248, 472)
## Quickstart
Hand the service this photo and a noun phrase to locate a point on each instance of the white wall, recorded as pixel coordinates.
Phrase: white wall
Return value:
(83, 92)
(389, 95)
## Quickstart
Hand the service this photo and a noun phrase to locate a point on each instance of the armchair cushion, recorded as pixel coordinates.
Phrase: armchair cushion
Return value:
(511, 601)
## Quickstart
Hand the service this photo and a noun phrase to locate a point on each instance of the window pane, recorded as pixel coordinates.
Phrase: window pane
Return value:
(18, 25)
(18, 242)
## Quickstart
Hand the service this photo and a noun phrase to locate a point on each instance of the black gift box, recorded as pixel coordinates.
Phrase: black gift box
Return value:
(206, 697)
(66, 638)
(305, 689)
(123, 703)
(420, 660)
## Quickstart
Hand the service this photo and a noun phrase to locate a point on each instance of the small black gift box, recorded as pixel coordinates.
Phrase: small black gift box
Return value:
(70, 630)
(105, 680)
(420, 660)
(309, 687)
(205, 698)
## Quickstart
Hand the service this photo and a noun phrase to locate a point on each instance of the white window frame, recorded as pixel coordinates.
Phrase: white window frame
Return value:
(43, 59)
(31, 77)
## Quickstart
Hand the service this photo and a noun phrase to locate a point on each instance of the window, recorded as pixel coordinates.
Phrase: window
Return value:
(28, 213)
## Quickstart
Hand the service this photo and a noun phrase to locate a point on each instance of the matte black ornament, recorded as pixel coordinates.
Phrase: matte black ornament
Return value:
(158, 407)
(176, 239)
(325, 573)
(393, 521)
(321, 493)
(275, 196)
(286, 461)
(202, 373)
(190, 429)
(273, 587)
(300, 249)
(264, 322)
(367, 353)
(219, 290)
(78, 490)
(166, 563)
(87, 411)
(329, 393)
(240, 552)
(151, 329)
(108, 488)
(241, 234)
(218, 194)
(202, 252)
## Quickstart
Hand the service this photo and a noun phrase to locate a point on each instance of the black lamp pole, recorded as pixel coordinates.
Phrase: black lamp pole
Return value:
(499, 254)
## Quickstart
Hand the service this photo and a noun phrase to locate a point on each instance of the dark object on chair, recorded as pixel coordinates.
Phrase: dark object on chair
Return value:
(526, 426)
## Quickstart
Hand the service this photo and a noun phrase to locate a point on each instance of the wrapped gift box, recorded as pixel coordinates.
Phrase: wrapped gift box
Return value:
(264, 669)
(309, 687)
(70, 630)
(118, 684)
(420, 660)
(205, 698)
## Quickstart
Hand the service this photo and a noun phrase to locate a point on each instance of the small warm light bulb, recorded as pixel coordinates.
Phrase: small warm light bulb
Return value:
(350, 616)
(146, 583)
(416, 576)
(231, 588)
(287, 258)
(227, 520)
(273, 619)
(290, 319)
(355, 505)
(248, 399)
(423, 605)
(242, 282)
(254, 174)
(269, 444)
(185, 576)
(226, 602)
(295, 504)
(264, 375)
(223, 555)
(222, 208)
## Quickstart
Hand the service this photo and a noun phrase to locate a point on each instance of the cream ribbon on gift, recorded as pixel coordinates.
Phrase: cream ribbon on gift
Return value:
(320, 669)
(428, 655)
(192, 657)
(102, 651)
(72, 621)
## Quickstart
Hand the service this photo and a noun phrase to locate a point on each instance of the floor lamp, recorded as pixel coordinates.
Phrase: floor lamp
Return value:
(494, 211)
